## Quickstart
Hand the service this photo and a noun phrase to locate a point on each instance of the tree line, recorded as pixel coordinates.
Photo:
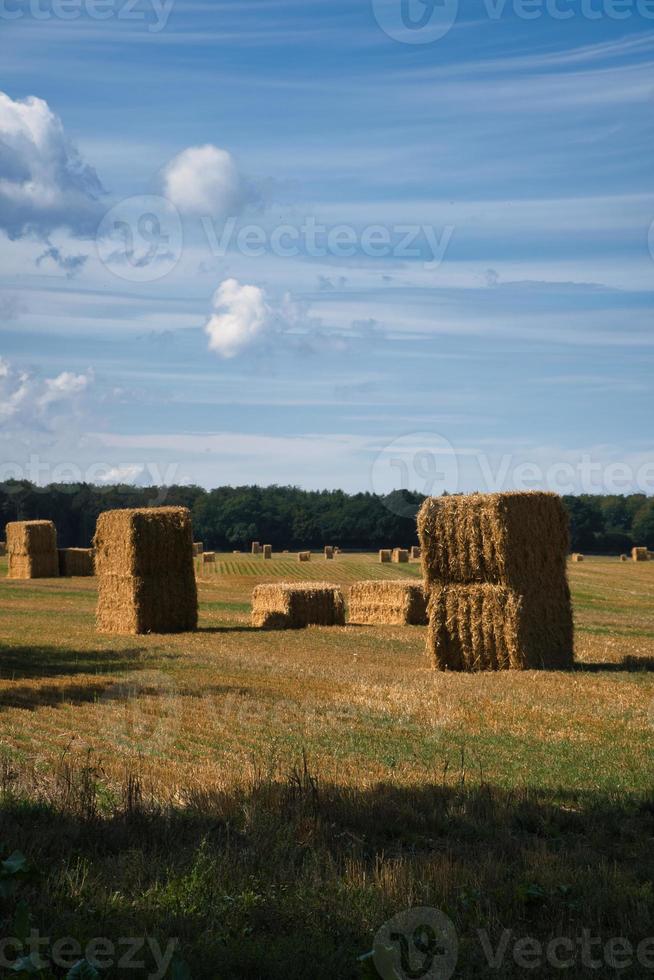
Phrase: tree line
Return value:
(229, 518)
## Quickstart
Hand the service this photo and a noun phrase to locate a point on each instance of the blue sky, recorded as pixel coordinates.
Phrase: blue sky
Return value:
(358, 254)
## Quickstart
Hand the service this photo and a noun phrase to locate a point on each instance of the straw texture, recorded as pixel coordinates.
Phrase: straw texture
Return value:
(296, 605)
(391, 603)
(144, 564)
(32, 549)
(76, 561)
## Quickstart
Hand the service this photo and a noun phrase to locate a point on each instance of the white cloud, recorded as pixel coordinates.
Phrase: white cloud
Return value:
(122, 474)
(205, 181)
(44, 183)
(241, 317)
(26, 402)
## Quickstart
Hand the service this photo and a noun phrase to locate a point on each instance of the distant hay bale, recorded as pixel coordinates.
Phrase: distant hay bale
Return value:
(285, 551)
(637, 554)
(304, 556)
(144, 564)
(329, 552)
(385, 555)
(209, 558)
(624, 557)
(415, 552)
(394, 603)
(256, 548)
(76, 562)
(576, 556)
(236, 552)
(495, 569)
(3, 549)
(400, 555)
(267, 551)
(32, 549)
(198, 548)
(337, 551)
(296, 605)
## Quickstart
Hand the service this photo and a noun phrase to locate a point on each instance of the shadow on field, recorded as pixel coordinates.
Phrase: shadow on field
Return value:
(631, 665)
(289, 879)
(49, 661)
(227, 629)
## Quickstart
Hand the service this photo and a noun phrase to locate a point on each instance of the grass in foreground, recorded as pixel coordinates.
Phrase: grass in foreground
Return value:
(270, 799)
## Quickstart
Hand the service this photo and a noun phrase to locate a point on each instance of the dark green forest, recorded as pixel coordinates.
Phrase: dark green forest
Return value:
(288, 517)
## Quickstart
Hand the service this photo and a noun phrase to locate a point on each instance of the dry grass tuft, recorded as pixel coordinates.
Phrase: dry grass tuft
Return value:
(146, 579)
(399, 603)
(293, 606)
(495, 568)
(77, 562)
(32, 549)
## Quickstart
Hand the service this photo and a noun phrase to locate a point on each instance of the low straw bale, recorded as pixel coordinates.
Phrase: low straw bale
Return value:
(296, 605)
(393, 603)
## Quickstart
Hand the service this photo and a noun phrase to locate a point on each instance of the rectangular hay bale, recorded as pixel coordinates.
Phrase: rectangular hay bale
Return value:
(208, 557)
(637, 554)
(576, 557)
(267, 551)
(490, 627)
(392, 603)
(385, 555)
(144, 564)
(329, 552)
(76, 562)
(415, 552)
(32, 550)
(256, 548)
(304, 556)
(296, 605)
(400, 555)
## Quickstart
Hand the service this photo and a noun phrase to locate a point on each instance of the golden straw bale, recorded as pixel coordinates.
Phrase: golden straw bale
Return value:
(198, 548)
(3, 549)
(267, 551)
(304, 556)
(415, 552)
(637, 554)
(490, 627)
(209, 558)
(144, 564)
(385, 555)
(400, 555)
(76, 561)
(394, 603)
(624, 557)
(329, 552)
(32, 549)
(576, 556)
(256, 548)
(295, 605)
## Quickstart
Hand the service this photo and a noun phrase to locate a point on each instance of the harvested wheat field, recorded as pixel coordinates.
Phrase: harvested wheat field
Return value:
(300, 787)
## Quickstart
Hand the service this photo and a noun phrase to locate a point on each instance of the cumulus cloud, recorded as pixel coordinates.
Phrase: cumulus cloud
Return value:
(44, 182)
(205, 181)
(28, 402)
(242, 315)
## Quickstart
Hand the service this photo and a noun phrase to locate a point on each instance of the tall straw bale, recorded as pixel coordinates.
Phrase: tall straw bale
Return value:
(637, 554)
(3, 549)
(329, 552)
(304, 556)
(415, 552)
(32, 549)
(209, 558)
(144, 564)
(385, 555)
(295, 605)
(76, 562)
(400, 555)
(198, 548)
(576, 556)
(267, 551)
(495, 568)
(256, 548)
(394, 603)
